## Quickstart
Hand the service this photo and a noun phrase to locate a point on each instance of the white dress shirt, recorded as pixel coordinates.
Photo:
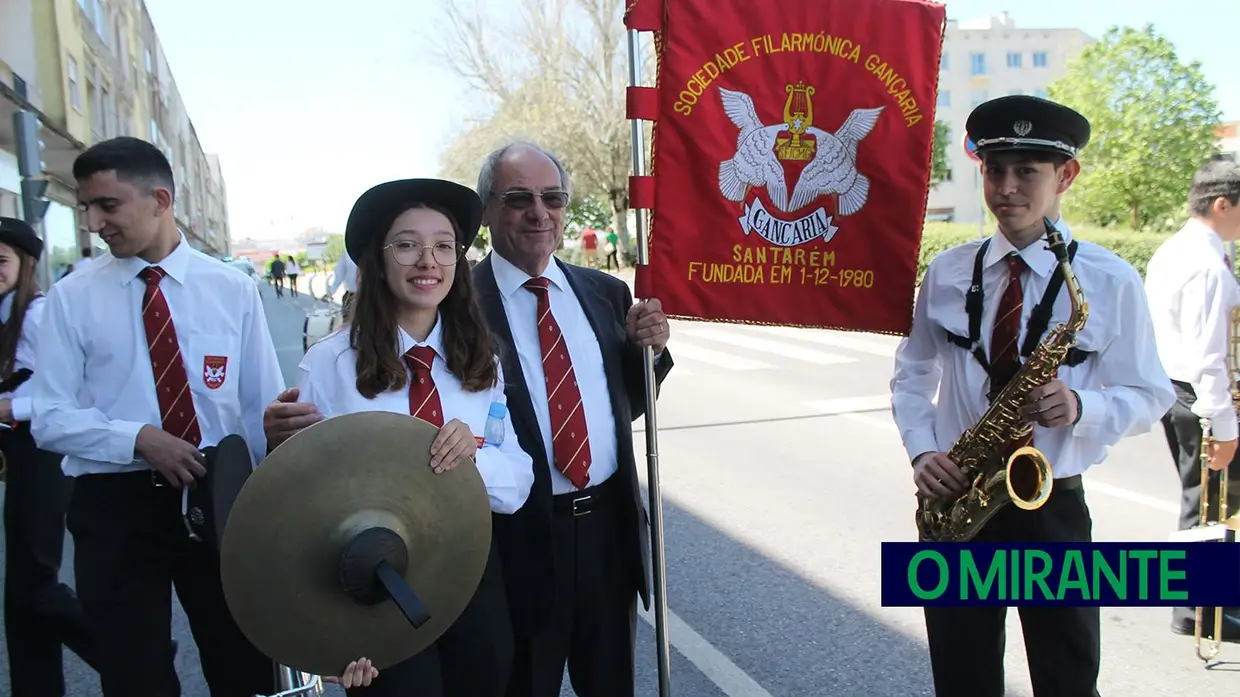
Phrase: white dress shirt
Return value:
(1123, 387)
(25, 357)
(1191, 294)
(345, 274)
(327, 378)
(521, 309)
(101, 392)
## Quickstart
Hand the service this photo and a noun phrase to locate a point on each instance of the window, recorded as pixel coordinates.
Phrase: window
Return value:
(1039, 59)
(977, 97)
(149, 67)
(1014, 59)
(943, 62)
(977, 63)
(75, 98)
(945, 99)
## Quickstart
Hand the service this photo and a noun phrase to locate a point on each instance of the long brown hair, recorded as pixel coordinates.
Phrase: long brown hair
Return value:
(373, 332)
(25, 291)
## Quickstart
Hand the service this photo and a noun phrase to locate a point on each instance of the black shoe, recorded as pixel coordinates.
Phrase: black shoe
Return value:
(1231, 625)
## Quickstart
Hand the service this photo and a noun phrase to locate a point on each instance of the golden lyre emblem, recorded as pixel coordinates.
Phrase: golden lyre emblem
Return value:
(798, 117)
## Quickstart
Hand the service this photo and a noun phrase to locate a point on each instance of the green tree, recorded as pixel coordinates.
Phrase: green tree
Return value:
(1153, 120)
(939, 164)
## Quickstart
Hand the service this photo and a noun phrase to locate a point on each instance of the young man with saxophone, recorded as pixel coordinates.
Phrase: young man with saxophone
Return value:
(983, 310)
(1192, 290)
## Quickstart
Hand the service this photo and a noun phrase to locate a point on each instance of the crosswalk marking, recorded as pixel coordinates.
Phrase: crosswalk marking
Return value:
(776, 348)
(870, 346)
(720, 359)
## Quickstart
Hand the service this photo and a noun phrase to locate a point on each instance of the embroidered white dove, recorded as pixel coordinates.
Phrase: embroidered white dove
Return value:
(833, 170)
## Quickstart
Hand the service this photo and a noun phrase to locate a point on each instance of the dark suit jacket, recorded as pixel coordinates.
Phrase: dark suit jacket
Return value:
(524, 537)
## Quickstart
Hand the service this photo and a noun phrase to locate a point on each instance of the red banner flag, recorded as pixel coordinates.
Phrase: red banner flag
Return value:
(791, 159)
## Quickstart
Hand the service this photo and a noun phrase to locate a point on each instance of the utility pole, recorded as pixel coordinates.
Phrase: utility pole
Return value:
(30, 168)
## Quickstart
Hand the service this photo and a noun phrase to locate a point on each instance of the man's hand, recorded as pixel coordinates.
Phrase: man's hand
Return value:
(179, 461)
(647, 325)
(454, 441)
(936, 476)
(1221, 454)
(1051, 406)
(286, 416)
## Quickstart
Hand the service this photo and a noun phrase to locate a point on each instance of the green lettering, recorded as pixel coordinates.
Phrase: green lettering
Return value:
(1073, 575)
(1143, 575)
(915, 586)
(1038, 577)
(1166, 575)
(1119, 584)
(970, 579)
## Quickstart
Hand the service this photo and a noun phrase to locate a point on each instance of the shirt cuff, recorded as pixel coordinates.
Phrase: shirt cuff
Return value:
(1092, 415)
(920, 442)
(126, 441)
(20, 406)
(1223, 428)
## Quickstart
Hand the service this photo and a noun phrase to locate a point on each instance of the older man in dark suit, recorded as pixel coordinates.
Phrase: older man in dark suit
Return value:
(576, 556)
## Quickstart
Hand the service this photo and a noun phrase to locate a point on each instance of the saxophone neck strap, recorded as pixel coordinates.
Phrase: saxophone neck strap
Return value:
(1039, 318)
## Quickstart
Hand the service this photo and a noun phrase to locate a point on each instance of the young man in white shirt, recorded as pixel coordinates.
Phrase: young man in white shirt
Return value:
(1192, 290)
(1110, 386)
(159, 354)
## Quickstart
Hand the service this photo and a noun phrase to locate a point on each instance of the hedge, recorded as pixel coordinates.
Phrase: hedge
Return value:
(1134, 247)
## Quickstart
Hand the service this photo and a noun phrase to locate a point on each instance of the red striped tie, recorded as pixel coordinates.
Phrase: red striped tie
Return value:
(1004, 339)
(176, 404)
(569, 440)
(423, 395)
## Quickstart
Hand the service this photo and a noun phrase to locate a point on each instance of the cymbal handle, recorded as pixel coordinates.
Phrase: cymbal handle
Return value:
(402, 594)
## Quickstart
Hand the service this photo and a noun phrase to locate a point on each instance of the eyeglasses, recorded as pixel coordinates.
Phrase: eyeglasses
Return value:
(407, 253)
(522, 200)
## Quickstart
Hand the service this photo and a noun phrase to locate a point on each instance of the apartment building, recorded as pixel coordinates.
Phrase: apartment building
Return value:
(1228, 135)
(92, 70)
(983, 59)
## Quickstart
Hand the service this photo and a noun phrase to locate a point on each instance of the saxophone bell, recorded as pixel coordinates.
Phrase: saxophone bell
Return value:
(1029, 478)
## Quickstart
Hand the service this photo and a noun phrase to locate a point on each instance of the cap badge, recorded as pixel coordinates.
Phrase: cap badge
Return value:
(1022, 128)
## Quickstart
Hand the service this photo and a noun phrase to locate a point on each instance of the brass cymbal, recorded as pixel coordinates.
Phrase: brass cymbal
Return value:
(335, 523)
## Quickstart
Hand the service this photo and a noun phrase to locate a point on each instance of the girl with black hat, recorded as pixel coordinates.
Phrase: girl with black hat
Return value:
(40, 613)
(417, 343)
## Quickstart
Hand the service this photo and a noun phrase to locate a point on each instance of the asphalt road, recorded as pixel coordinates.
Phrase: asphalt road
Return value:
(781, 475)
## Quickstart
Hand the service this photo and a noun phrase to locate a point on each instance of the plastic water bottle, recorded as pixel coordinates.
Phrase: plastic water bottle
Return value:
(494, 433)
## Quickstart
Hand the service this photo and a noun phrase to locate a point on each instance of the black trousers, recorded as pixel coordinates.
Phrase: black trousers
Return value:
(1183, 430)
(41, 614)
(472, 659)
(1062, 643)
(131, 548)
(593, 627)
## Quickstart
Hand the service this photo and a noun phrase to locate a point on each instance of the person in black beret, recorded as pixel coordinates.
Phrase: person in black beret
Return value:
(41, 614)
(982, 309)
(417, 344)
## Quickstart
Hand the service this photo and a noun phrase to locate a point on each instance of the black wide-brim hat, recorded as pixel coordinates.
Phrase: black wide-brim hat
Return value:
(375, 210)
(1023, 122)
(19, 235)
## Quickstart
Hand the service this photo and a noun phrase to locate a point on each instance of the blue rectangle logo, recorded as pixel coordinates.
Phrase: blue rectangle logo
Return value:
(1101, 574)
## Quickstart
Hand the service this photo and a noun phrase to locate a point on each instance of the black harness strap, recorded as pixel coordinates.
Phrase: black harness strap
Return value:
(1039, 318)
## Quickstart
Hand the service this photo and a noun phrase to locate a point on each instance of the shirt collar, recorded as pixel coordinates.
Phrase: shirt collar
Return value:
(433, 340)
(510, 279)
(1037, 256)
(175, 264)
(1206, 232)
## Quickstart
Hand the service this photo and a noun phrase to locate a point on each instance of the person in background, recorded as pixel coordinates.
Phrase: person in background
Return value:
(277, 271)
(292, 270)
(612, 249)
(158, 354)
(40, 613)
(1192, 290)
(418, 345)
(589, 248)
(344, 276)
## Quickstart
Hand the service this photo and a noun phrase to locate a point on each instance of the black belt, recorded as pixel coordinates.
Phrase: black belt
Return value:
(1068, 483)
(585, 501)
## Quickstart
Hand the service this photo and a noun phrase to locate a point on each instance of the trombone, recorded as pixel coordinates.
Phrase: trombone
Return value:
(1223, 528)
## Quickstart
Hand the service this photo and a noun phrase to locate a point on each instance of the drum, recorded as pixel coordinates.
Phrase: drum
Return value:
(320, 322)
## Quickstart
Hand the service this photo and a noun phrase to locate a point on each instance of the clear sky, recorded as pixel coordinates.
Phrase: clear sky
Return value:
(309, 103)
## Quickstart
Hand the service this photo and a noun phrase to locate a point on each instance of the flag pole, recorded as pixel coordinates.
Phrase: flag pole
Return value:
(659, 589)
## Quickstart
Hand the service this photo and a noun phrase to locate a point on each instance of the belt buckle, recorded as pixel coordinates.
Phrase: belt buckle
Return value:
(578, 500)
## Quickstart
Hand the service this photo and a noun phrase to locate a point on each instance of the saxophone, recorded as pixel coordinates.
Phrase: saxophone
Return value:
(1025, 478)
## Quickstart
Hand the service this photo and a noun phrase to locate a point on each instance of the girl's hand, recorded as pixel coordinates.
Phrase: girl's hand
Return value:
(454, 441)
(359, 673)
